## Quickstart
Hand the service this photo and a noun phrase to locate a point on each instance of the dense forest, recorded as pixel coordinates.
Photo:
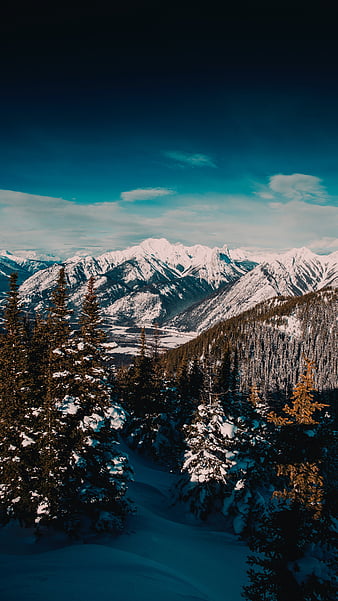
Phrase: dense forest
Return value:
(270, 340)
(245, 416)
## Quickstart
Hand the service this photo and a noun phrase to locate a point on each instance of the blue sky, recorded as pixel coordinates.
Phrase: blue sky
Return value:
(152, 125)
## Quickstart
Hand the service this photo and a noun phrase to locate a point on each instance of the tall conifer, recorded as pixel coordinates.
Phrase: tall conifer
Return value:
(57, 482)
(203, 486)
(102, 469)
(18, 438)
(295, 535)
(252, 474)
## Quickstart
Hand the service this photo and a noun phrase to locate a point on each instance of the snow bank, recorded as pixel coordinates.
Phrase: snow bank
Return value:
(159, 557)
(87, 572)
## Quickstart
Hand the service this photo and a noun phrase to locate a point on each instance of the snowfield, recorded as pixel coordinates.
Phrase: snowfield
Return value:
(162, 556)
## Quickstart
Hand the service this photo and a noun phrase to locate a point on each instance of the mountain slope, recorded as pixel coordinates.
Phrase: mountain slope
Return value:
(271, 339)
(295, 273)
(185, 288)
(145, 283)
(23, 266)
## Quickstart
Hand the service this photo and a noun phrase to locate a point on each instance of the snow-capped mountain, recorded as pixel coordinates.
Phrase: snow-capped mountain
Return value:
(186, 288)
(142, 284)
(24, 266)
(292, 274)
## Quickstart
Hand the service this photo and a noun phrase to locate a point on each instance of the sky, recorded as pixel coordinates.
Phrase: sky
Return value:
(154, 122)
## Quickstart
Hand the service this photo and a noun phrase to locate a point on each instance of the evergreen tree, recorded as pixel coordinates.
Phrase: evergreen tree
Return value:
(57, 431)
(141, 382)
(156, 343)
(17, 421)
(196, 381)
(223, 376)
(182, 380)
(203, 486)
(102, 469)
(152, 428)
(233, 395)
(252, 476)
(39, 361)
(185, 398)
(296, 534)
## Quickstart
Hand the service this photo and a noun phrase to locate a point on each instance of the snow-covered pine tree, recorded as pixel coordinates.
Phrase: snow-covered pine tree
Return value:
(252, 475)
(102, 469)
(58, 433)
(204, 484)
(18, 471)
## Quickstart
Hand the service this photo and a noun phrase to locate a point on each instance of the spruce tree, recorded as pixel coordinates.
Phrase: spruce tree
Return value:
(141, 382)
(152, 427)
(184, 382)
(17, 421)
(203, 486)
(196, 381)
(57, 428)
(294, 542)
(39, 361)
(252, 475)
(223, 375)
(102, 469)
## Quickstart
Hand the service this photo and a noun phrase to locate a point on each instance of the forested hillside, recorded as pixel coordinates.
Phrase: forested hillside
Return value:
(270, 340)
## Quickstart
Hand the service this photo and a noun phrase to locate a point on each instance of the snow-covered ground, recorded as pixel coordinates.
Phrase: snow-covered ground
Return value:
(161, 557)
(126, 341)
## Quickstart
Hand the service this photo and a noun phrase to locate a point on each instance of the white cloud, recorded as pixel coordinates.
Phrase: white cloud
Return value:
(55, 225)
(145, 194)
(193, 160)
(325, 244)
(65, 228)
(298, 186)
(266, 195)
(275, 205)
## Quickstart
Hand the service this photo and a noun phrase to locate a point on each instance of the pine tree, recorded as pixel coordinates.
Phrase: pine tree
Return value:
(196, 381)
(251, 477)
(203, 486)
(233, 396)
(223, 375)
(18, 437)
(297, 531)
(303, 406)
(57, 431)
(39, 361)
(306, 483)
(152, 427)
(102, 469)
(185, 398)
(141, 382)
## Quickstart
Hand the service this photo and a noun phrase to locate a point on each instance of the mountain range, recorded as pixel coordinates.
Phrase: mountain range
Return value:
(148, 283)
(294, 273)
(180, 287)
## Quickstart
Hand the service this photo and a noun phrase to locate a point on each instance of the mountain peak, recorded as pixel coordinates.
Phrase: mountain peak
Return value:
(156, 245)
(300, 253)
